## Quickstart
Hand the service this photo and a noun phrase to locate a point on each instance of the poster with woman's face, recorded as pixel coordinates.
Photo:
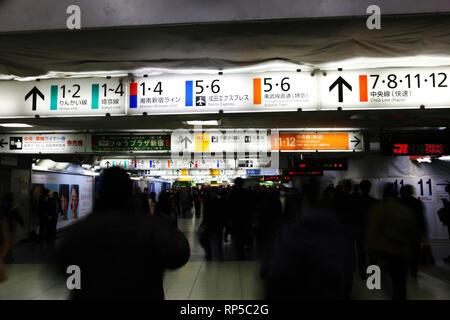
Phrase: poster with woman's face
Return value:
(74, 200)
(64, 200)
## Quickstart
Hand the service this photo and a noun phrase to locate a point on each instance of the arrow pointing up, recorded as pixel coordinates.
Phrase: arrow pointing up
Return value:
(108, 164)
(185, 140)
(34, 92)
(340, 82)
(357, 140)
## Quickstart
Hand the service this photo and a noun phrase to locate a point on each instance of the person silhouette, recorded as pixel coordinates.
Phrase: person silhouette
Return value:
(121, 253)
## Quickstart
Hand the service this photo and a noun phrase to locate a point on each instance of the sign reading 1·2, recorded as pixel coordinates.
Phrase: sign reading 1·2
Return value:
(56, 97)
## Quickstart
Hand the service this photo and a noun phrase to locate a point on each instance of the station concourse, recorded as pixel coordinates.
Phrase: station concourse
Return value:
(287, 151)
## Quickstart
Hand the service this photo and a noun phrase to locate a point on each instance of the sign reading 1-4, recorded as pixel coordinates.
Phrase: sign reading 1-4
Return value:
(386, 88)
(271, 91)
(53, 97)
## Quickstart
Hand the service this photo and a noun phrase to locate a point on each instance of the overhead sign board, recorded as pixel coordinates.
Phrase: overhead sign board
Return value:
(31, 143)
(221, 141)
(195, 164)
(110, 143)
(62, 97)
(318, 141)
(386, 88)
(320, 164)
(122, 163)
(365, 89)
(271, 91)
(415, 143)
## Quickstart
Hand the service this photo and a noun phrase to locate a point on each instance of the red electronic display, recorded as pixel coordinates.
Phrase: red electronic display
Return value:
(317, 164)
(400, 148)
(277, 178)
(305, 173)
(417, 143)
(419, 149)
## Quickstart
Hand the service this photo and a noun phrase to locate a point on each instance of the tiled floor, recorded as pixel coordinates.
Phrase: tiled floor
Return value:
(197, 280)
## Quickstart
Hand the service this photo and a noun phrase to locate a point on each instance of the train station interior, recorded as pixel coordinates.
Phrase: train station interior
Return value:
(258, 125)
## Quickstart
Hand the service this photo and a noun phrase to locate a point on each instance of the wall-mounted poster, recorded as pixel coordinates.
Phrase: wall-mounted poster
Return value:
(71, 193)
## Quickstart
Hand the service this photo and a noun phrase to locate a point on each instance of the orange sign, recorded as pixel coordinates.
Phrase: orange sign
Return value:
(202, 142)
(297, 141)
(214, 172)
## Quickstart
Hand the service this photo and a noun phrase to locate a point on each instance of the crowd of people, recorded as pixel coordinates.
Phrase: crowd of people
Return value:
(310, 239)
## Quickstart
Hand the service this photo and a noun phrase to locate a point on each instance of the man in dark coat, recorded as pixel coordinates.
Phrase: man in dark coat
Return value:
(10, 212)
(308, 256)
(364, 204)
(122, 254)
(417, 207)
(240, 206)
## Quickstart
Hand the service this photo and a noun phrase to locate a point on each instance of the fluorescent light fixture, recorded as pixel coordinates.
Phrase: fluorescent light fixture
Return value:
(426, 159)
(203, 123)
(15, 125)
(444, 158)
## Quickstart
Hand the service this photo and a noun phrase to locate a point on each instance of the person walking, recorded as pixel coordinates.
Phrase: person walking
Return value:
(152, 203)
(417, 207)
(4, 245)
(444, 217)
(391, 234)
(43, 212)
(54, 209)
(121, 253)
(11, 214)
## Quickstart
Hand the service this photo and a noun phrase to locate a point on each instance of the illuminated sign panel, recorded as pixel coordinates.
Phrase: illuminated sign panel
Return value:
(107, 143)
(31, 143)
(202, 93)
(323, 141)
(271, 91)
(415, 143)
(385, 88)
(420, 149)
(62, 97)
(320, 164)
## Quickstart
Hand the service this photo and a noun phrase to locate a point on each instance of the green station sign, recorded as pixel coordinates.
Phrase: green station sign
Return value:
(105, 143)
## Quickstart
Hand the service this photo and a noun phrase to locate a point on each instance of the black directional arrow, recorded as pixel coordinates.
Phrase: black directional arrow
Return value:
(340, 82)
(3, 143)
(357, 141)
(34, 92)
(108, 164)
(185, 140)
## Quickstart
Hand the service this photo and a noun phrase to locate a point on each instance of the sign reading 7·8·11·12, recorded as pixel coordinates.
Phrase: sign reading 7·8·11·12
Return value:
(386, 88)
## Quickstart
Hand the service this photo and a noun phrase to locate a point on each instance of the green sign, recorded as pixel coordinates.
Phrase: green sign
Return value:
(105, 143)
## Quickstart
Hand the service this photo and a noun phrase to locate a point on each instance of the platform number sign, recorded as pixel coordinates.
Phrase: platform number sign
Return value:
(424, 189)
